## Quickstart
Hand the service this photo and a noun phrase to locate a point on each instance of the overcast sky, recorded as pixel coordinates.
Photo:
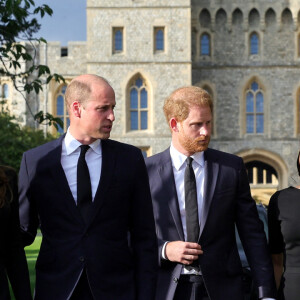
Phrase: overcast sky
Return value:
(68, 22)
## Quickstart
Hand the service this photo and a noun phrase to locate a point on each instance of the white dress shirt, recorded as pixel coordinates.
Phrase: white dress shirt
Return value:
(69, 158)
(179, 164)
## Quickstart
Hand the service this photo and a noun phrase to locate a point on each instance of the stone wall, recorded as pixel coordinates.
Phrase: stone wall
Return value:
(230, 68)
(226, 73)
(164, 71)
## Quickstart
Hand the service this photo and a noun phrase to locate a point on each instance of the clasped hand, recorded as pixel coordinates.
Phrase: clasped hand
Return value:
(183, 252)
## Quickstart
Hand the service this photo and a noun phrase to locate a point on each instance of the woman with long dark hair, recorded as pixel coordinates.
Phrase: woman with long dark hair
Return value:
(13, 265)
(284, 240)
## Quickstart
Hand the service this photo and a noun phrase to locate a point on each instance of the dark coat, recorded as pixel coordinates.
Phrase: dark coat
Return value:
(12, 257)
(121, 214)
(227, 201)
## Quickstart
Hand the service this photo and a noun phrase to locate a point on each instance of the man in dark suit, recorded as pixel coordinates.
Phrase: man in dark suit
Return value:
(198, 196)
(98, 234)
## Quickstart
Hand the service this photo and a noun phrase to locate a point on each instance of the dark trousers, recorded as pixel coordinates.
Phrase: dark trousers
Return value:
(82, 290)
(191, 287)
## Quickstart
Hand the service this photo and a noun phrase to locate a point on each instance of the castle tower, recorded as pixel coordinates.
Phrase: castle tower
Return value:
(246, 54)
(144, 49)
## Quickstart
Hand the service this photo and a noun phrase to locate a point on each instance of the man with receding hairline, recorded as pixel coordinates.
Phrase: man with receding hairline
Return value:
(91, 198)
(199, 195)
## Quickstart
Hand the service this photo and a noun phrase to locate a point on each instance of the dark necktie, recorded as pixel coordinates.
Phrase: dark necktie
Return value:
(84, 189)
(191, 204)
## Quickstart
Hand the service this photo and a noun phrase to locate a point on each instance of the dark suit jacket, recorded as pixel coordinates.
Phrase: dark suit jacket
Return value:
(12, 257)
(227, 201)
(121, 214)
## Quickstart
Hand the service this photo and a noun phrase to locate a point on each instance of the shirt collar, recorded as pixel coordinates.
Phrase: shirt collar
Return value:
(72, 144)
(178, 159)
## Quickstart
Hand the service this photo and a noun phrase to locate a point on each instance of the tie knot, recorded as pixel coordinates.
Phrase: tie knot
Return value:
(83, 149)
(189, 161)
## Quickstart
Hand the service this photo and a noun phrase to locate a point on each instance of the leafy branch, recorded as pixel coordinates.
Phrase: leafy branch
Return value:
(19, 49)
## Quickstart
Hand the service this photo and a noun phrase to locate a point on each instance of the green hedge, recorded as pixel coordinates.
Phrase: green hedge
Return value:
(15, 140)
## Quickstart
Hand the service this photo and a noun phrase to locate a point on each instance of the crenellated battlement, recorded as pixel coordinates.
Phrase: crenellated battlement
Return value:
(253, 13)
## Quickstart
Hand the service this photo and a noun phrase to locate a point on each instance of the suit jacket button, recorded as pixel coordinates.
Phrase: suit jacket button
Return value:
(81, 258)
(175, 279)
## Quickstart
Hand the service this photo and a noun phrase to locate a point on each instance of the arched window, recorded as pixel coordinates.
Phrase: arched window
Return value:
(254, 43)
(272, 163)
(205, 44)
(270, 18)
(117, 39)
(221, 17)
(298, 45)
(159, 39)
(254, 18)
(261, 173)
(254, 109)
(287, 18)
(237, 17)
(138, 104)
(205, 19)
(61, 109)
(5, 92)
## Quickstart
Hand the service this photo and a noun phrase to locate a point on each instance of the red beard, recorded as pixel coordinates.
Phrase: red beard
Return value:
(193, 145)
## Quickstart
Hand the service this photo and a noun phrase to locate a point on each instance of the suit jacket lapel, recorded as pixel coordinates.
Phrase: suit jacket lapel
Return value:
(53, 158)
(169, 189)
(107, 170)
(211, 175)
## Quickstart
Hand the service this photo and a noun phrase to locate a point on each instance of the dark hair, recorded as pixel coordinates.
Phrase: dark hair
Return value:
(298, 165)
(4, 187)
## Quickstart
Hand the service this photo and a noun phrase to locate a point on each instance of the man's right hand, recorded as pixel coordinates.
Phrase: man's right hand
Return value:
(182, 252)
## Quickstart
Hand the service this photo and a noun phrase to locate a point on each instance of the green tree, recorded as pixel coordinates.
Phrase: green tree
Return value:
(14, 139)
(18, 50)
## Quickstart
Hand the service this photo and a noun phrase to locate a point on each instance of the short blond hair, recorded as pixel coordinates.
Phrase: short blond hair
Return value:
(80, 88)
(178, 104)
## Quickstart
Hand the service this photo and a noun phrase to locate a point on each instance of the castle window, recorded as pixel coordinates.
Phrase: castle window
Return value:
(61, 109)
(63, 51)
(254, 43)
(270, 18)
(117, 39)
(221, 18)
(299, 45)
(205, 19)
(254, 18)
(287, 18)
(138, 105)
(254, 109)
(205, 44)
(159, 39)
(237, 17)
(5, 91)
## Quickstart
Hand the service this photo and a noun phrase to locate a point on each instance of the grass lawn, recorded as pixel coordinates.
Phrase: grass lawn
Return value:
(32, 252)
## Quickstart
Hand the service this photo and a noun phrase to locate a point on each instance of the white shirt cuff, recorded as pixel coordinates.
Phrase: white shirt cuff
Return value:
(163, 251)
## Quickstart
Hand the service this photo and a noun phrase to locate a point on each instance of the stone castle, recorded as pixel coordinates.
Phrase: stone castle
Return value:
(246, 54)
